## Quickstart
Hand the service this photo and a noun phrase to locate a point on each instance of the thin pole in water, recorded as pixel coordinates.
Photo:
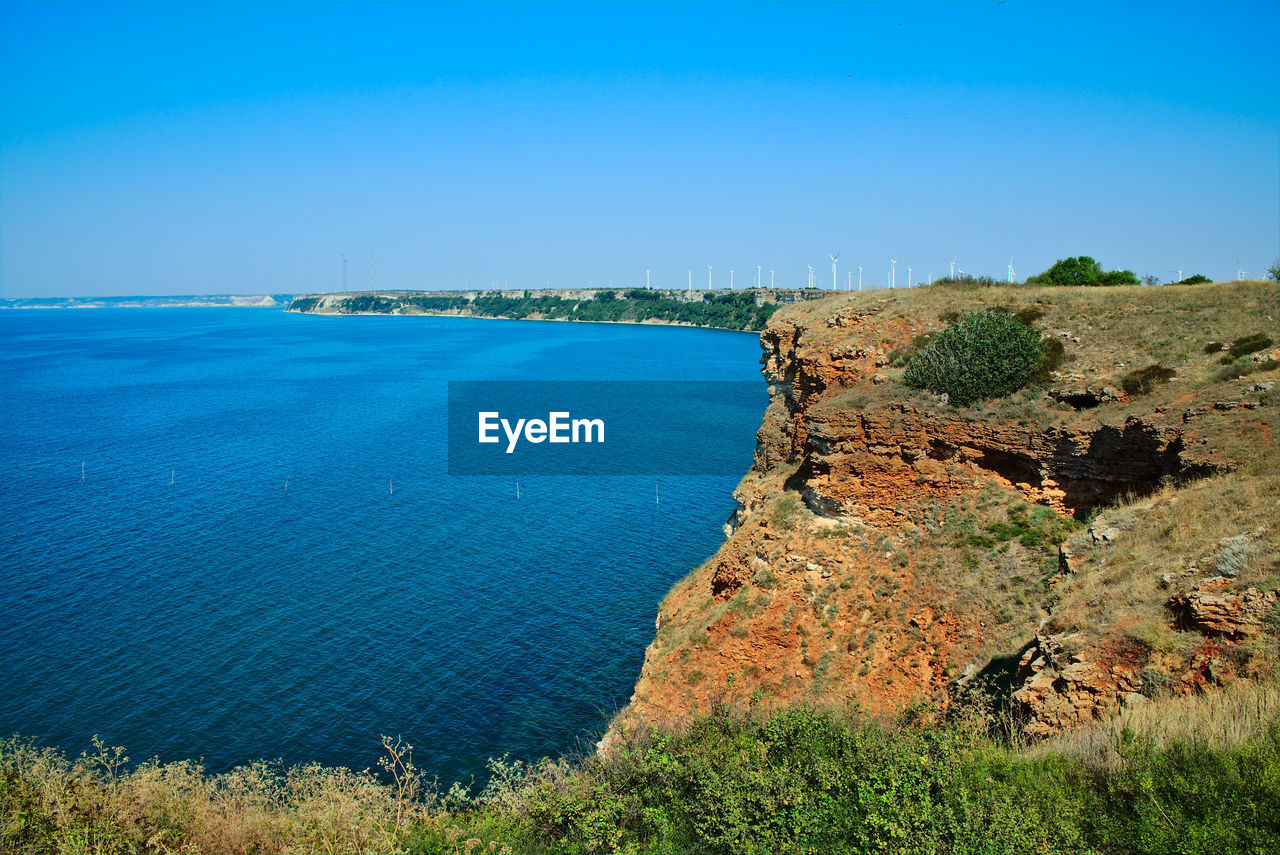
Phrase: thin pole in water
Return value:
(171, 471)
(391, 487)
(81, 471)
(655, 495)
(517, 491)
(286, 483)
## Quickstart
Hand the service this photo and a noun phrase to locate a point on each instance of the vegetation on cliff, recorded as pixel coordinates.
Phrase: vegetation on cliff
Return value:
(724, 311)
(983, 355)
(800, 780)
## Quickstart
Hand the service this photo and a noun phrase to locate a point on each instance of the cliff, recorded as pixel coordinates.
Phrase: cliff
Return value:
(1064, 551)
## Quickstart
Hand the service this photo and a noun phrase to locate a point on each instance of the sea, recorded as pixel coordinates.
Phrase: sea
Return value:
(231, 534)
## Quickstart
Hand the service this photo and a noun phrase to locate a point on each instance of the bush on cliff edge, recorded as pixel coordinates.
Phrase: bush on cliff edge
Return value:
(983, 355)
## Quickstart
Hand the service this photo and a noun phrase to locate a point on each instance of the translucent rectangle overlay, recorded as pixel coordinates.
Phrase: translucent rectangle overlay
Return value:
(602, 427)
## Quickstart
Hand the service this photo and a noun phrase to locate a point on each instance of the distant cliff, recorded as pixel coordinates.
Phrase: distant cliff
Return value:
(733, 310)
(1084, 544)
(178, 301)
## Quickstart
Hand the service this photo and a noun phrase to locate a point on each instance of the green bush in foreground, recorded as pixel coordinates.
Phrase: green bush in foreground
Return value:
(983, 355)
(800, 780)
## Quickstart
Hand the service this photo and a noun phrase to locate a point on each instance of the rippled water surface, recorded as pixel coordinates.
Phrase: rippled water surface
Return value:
(180, 601)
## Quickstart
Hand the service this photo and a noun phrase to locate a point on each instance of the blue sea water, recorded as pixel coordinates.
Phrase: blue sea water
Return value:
(226, 618)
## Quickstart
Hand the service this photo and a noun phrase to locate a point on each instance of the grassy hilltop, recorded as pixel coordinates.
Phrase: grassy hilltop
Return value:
(1040, 620)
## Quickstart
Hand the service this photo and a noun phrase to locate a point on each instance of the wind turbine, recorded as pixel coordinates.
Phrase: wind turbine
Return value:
(1240, 272)
(646, 277)
(893, 272)
(810, 266)
(849, 281)
(859, 277)
(952, 262)
(1179, 272)
(833, 269)
(1012, 276)
(759, 276)
(908, 277)
(770, 277)
(730, 278)
(708, 277)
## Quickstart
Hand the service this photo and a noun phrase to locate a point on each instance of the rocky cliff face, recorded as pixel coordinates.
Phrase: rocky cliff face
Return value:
(889, 549)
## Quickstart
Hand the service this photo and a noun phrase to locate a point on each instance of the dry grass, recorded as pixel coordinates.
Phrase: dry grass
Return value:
(1169, 532)
(1221, 720)
(99, 804)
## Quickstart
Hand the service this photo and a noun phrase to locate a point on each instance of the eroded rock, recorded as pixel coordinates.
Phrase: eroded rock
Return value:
(1057, 692)
(1213, 610)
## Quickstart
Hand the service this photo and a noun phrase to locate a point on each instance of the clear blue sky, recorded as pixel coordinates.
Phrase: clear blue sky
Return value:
(166, 148)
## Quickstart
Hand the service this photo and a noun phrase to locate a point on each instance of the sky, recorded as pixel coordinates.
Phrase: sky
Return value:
(209, 148)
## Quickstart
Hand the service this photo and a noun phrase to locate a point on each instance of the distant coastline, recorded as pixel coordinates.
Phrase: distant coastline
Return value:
(746, 310)
(244, 301)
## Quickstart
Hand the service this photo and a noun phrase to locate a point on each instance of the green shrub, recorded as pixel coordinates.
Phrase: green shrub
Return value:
(983, 355)
(1271, 620)
(1246, 345)
(1245, 367)
(1082, 270)
(1029, 314)
(899, 357)
(1052, 354)
(968, 280)
(1213, 347)
(1197, 279)
(784, 513)
(1143, 380)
